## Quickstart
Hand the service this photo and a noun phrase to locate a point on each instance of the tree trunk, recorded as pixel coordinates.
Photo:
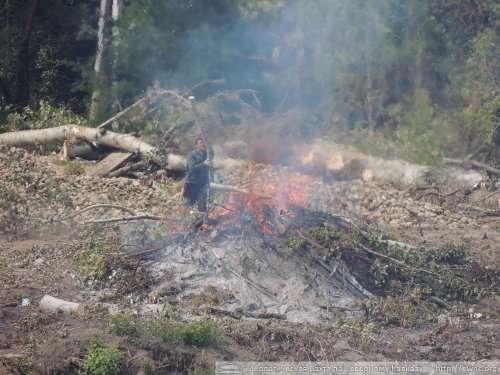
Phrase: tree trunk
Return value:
(419, 70)
(98, 137)
(98, 66)
(115, 31)
(101, 137)
(370, 95)
(23, 58)
(5, 92)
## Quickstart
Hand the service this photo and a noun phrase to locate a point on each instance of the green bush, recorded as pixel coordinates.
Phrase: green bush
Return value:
(101, 359)
(147, 365)
(405, 311)
(451, 254)
(324, 235)
(199, 333)
(420, 136)
(247, 262)
(93, 261)
(123, 325)
(46, 116)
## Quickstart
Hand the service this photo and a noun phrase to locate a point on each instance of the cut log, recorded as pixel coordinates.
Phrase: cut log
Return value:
(100, 137)
(178, 162)
(56, 305)
(337, 162)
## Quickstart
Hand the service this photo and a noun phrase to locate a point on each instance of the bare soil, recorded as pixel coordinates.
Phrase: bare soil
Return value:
(41, 343)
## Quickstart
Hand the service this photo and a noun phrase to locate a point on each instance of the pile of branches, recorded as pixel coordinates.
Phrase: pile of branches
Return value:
(408, 283)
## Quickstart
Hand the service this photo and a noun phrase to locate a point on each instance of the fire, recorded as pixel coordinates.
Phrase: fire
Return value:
(172, 225)
(268, 198)
(263, 205)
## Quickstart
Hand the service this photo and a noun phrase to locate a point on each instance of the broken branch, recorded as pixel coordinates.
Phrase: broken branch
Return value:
(94, 206)
(120, 114)
(118, 219)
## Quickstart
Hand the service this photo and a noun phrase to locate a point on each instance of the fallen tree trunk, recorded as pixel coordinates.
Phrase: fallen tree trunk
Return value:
(129, 143)
(467, 163)
(178, 162)
(97, 137)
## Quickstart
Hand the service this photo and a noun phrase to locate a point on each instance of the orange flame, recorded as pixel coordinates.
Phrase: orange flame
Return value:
(266, 199)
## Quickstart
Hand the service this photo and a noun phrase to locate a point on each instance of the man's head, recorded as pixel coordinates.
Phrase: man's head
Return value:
(200, 145)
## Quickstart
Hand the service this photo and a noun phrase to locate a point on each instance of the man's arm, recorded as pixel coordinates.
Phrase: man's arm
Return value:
(191, 163)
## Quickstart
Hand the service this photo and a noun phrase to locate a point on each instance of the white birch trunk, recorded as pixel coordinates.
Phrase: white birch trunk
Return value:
(98, 137)
(116, 12)
(101, 137)
(101, 36)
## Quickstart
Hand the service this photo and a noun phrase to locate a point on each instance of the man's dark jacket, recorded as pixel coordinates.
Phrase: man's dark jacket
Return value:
(197, 172)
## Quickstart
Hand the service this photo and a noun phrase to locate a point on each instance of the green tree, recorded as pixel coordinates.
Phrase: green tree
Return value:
(45, 47)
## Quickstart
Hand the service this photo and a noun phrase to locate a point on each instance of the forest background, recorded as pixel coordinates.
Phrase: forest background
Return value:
(418, 80)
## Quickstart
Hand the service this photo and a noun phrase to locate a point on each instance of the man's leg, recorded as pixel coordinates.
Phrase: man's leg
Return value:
(190, 193)
(202, 199)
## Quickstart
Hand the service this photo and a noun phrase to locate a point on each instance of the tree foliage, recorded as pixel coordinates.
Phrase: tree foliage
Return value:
(425, 74)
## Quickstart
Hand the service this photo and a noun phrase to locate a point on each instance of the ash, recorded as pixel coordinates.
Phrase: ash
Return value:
(250, 275)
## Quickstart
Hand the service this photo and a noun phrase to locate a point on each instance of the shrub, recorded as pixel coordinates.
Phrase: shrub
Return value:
(101, 359)
(147, 365)
(324, 235)
(199, 333)
(406, 311)
(123, 325)
(248, 262)
(92, 262)
(46, 116)
(451, 254)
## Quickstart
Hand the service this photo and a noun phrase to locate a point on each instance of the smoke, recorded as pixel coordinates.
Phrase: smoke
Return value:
(311, 58)
(296, 54)
(298, 57)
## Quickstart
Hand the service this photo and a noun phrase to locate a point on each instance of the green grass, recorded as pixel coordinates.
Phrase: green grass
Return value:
(200, 333)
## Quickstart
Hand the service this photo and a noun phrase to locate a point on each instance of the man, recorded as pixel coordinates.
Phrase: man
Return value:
(197, 176)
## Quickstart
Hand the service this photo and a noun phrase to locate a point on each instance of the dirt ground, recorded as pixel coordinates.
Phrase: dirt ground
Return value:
(35, 342)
